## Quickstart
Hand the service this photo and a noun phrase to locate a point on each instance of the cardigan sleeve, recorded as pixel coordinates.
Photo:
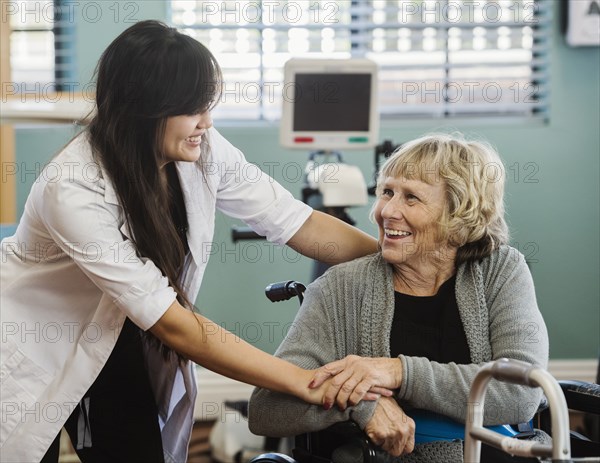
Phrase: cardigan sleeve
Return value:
(516, 330)
(309, 344)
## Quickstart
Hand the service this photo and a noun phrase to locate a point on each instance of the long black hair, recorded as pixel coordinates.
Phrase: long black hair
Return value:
(149, 73)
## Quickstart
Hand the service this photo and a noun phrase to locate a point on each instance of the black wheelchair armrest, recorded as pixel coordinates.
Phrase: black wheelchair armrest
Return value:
(347, 428)
(321, 445)
(582, 396)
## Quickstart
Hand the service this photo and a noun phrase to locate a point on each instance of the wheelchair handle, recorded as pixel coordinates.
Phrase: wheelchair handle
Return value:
(273, 458)
(514, 371)
(285, 290)
(244, 233)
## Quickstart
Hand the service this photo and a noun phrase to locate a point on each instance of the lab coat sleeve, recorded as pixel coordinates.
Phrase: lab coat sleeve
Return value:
(246, 192)
(87, 229)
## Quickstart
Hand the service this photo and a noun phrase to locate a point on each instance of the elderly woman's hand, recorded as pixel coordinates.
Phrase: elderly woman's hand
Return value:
(391, 429)
(354, 377)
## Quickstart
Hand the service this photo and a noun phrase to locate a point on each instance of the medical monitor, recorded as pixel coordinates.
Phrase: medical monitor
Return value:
(329, 104)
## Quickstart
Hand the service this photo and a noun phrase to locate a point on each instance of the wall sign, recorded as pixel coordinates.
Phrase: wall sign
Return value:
(583, 23)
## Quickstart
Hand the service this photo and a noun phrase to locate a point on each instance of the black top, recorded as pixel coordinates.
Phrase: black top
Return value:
(429, 326)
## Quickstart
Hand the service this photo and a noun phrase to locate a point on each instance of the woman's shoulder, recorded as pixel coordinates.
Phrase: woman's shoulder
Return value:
(357, 268)
(76, 159)
(75, 170)
(495, 269)
(503, 257)
(343, 287)
(220, 147)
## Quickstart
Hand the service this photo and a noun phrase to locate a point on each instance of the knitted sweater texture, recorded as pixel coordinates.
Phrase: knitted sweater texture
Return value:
(349, 310)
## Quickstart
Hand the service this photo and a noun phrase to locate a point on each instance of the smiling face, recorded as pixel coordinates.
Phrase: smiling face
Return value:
(407, 213)
(183, 135)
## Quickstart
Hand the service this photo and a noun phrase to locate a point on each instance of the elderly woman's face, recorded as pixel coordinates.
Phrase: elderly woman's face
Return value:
(407, 213)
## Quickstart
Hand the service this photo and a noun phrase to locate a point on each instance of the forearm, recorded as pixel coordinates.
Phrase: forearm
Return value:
(329, 240)
(206, 343)
(277, 415)
(444, 389)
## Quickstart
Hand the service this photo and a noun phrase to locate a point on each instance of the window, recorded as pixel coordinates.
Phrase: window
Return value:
(442, 58)
(41, 45)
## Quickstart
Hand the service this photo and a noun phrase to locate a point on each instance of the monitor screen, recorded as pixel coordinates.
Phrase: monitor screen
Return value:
(332, 102)
(329, 104)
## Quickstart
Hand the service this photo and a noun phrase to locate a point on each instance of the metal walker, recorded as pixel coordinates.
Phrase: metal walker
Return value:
(517, 372)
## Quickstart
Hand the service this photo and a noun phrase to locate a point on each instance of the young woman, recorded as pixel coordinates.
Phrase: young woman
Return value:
(99, 279)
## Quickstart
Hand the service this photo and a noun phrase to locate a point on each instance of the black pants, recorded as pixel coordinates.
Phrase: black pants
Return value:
(117, 420)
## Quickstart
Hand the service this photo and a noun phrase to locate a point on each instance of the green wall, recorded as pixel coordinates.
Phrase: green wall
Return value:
(552, 198)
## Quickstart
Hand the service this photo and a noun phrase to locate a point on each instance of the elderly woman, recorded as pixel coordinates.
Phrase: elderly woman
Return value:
(444, 295)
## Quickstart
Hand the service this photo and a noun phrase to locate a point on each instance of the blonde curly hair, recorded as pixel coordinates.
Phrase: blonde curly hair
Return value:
(473, 173)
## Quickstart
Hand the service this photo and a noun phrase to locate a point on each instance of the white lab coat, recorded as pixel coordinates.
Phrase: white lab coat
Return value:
(70, 276)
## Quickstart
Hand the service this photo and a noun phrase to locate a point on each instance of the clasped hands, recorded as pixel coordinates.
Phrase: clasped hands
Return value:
(355, 378)
(352, 379)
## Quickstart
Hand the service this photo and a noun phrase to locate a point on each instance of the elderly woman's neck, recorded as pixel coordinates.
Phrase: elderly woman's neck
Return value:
(425, 277)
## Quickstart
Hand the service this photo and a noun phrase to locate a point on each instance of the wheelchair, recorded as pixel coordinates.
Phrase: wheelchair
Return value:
(328, 445)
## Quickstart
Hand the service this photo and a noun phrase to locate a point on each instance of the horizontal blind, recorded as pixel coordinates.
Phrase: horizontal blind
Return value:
(42, 45)
(444, 58)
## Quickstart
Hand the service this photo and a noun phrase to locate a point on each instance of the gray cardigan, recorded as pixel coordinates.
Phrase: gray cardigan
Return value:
(349, 310)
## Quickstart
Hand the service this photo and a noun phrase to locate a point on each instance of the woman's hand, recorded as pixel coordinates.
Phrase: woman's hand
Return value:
(391, 428)
(353, 377)
(315, 394)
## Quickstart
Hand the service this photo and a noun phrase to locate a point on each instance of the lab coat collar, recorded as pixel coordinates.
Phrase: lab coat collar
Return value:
(110, 196)
(193, 187)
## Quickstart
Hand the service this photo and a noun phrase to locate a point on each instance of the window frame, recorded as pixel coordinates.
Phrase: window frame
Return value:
(64, 68)
(539, 64)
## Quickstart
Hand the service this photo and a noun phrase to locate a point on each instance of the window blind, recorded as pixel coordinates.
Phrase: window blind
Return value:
(437, 59)
(42, 45)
